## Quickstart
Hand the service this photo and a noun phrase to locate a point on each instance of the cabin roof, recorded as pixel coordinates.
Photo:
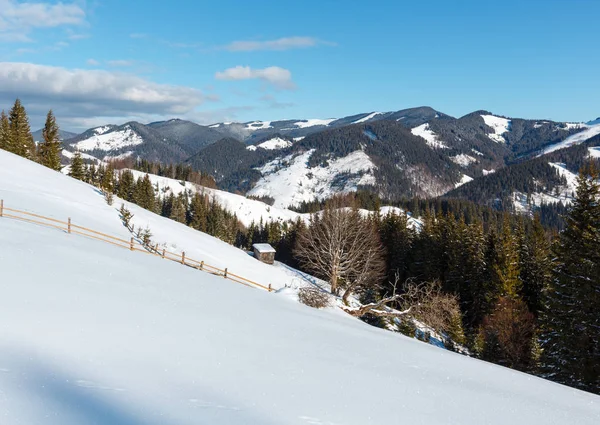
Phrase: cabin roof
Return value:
(263, 248)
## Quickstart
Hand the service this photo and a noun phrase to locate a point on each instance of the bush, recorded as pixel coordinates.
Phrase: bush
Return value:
(314, 297)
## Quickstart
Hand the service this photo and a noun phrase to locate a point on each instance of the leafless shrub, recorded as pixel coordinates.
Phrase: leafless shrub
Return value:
(314, 297)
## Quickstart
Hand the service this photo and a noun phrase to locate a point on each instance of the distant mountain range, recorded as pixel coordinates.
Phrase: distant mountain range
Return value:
(412, 152)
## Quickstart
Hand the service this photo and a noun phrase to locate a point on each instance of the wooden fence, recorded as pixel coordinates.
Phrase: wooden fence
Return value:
(132, 244)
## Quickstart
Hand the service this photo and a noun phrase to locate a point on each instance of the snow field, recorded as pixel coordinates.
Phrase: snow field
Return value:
(499, 125)
(297, 182)
(430, 137)
(90, 333)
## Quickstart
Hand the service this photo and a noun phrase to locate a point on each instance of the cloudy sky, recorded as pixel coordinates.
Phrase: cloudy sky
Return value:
(109, 61)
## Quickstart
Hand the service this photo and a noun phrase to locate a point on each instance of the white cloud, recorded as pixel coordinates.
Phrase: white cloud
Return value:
(286, 43)
(279, 77)
(92, 62)
(18, 19)
(78, 94)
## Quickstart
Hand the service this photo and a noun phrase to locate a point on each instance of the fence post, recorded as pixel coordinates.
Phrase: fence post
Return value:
(225, 275)
(131, 242)
(163, 253)
(183, 258)
(1, 207)
(270, 289)
(69, 225)
(156, 248)
(201, 265)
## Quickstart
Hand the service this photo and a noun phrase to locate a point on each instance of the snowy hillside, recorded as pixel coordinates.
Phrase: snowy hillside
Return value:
(109, 141)
(291, 181)
(587, 133)
(97, 334)
(563, 193)
(499, 125)
(247, 210)
(272, 144)
(430, 137)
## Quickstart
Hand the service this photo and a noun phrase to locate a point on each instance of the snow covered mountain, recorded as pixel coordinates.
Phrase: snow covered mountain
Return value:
(98, 334)
(412, 152)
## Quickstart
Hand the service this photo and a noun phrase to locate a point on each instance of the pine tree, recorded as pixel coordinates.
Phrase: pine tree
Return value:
(198, 212)
(126, 185)
(535, 264)
(5, 132)
(20, 139)
(506, 267)
(77, 170)
(179, 209)
(571, 322)
(49, 149)
(144, 193)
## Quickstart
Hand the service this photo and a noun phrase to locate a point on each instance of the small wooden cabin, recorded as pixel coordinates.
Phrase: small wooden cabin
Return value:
(264, 252)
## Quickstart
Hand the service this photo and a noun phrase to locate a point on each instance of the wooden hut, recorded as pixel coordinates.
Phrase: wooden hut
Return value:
(264, 252)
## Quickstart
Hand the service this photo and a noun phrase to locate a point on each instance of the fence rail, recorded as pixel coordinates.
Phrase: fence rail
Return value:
(132, 244)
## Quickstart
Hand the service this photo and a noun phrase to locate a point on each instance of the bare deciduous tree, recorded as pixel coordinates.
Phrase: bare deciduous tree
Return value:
(343, 248)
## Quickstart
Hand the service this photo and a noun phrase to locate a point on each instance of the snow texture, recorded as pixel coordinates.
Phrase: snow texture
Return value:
(95, 334)
(367, 118)
(576, 139)
(110, 141)
(290, 181)
(258, 125)
(499, 125)
(594, 152)
(464, 180)
(275, 143)
(463, 160)
(430, 137)
(314, 122)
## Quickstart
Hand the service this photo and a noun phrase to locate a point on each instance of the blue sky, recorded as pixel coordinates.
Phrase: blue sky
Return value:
(104, 61)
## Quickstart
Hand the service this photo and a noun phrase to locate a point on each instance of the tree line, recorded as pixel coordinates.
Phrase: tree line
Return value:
(15, 137)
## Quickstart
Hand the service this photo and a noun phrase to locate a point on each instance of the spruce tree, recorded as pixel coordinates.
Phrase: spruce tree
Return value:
(77, 170)
(571, 320)
(5, 132)
(20, 139)
(49, 149)
(126, 185)
(535, 264)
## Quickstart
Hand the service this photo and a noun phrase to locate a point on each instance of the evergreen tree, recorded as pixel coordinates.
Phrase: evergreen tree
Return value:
(506, 267)
(198, 212)
(5, 132)
(535, 264)
(144, 193)
(571, 319)
(179, 209)
(126, 185)
(108, 179)
(49, 149)
(20, 139)
(77, 170)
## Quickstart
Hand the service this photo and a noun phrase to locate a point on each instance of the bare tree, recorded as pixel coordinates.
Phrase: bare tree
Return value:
(343, 248)
(425, 302)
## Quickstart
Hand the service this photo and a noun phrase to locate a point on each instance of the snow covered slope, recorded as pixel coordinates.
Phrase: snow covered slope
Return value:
(563, 193)
(110, 141)
(296, 182)
(247, 210)
(587, 133)
(499, 125)
(430, 137)
(94, 334)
